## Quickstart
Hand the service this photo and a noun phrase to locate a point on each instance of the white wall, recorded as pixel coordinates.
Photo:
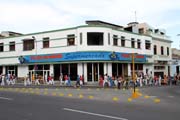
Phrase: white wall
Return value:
(22, 70)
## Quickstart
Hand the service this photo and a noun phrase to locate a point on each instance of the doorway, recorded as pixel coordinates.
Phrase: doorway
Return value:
(94, 70)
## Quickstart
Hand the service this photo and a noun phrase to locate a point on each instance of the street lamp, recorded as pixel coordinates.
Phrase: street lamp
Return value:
(35, 66)
(134, 94)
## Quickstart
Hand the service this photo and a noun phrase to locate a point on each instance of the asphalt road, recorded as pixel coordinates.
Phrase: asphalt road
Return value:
(27, 106)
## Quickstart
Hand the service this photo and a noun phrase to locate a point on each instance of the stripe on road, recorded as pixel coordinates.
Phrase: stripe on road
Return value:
(95, 114)
(5, 98)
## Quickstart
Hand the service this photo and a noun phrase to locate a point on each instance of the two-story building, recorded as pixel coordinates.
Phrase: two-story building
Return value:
(91, 50)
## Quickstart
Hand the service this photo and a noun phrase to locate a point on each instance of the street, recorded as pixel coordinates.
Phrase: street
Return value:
(91, 104)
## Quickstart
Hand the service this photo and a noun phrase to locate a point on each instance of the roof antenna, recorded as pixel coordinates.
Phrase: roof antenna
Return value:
(135, 16)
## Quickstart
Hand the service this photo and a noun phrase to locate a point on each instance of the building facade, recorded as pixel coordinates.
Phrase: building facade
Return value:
(175, 64)
(90, 50)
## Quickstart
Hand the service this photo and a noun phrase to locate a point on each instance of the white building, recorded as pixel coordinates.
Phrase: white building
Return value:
(175, 64)
(90, 50)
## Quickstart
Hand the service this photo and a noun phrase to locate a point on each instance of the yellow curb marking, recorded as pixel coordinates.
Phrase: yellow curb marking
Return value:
(89, 89)
(61, 94)
(81, 96)
(90, 97)
(129, 99)
(78, 89)
(140, 94)
(124, 89)
(146, 96)
(157, 100)
(70, 95)
(115, 98)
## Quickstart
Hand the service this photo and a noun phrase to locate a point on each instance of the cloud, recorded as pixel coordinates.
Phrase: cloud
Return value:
(54, 14)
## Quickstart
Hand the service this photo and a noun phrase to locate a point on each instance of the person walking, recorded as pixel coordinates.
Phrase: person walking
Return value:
(61, 79)
(77, 81)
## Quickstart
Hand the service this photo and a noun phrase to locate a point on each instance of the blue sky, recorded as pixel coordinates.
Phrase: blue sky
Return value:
(29, 16)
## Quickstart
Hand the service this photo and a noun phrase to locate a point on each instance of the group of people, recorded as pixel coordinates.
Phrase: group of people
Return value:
(9, 79)
(28, 80)
(140, 80)
(49, 80)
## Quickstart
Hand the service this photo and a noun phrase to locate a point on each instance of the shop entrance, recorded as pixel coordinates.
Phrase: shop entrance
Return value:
(11, 70)
(40, 71)
(119, 69)
(1, 69)
(65, 69)
(94, 70)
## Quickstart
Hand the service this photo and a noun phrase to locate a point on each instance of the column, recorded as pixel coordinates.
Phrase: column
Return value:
(51, 69)
(22, 70)
(85, 72)
(110, 69)
(80, 69)
(105, 68)
(4, 69)
(129, 69)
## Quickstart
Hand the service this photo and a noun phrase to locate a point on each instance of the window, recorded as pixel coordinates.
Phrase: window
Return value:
(28, 44)
(71, 40)
(132, 43)
(109, 38)
(115, 40)
(1, 47)
(162, 50)
(95, 38)
(155, 50)
(46, 42)
(141, 30)
(81, 38)
(138, 43)
(122, 41)
(147, 45)
(168, 51)
(11, 46)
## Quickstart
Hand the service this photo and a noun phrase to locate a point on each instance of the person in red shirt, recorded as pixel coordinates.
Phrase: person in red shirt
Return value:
(101, 81)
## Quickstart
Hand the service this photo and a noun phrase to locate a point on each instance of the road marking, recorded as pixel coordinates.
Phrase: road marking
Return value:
(171, 96)
(95, 114)
(4, 98)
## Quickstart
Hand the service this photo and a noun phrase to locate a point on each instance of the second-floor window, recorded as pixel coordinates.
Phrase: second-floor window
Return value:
(1, 47)
(46, 42)
(147, 45)
(71, 39)
(132, 43)
(109, 39)
(155, 50)
(81, 38)
(11, 46)
(28, 44)
(138, 43)
(167, 51)
(95, 38)
(162, 50)
(115, 40)
(122, 41)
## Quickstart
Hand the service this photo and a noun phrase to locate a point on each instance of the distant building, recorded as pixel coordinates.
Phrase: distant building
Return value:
(91, 50)
(175, 64)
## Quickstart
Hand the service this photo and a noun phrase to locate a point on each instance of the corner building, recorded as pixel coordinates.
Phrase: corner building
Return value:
(91, 50)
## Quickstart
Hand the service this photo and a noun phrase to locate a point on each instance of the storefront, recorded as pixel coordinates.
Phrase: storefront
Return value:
(91, 65)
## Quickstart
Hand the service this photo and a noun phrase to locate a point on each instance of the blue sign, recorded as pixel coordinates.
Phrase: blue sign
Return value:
(84, 56)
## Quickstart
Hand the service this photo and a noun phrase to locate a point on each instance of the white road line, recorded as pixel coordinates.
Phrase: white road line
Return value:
(152, 96)
(95, 114)
(171, 96)
(4, 98)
